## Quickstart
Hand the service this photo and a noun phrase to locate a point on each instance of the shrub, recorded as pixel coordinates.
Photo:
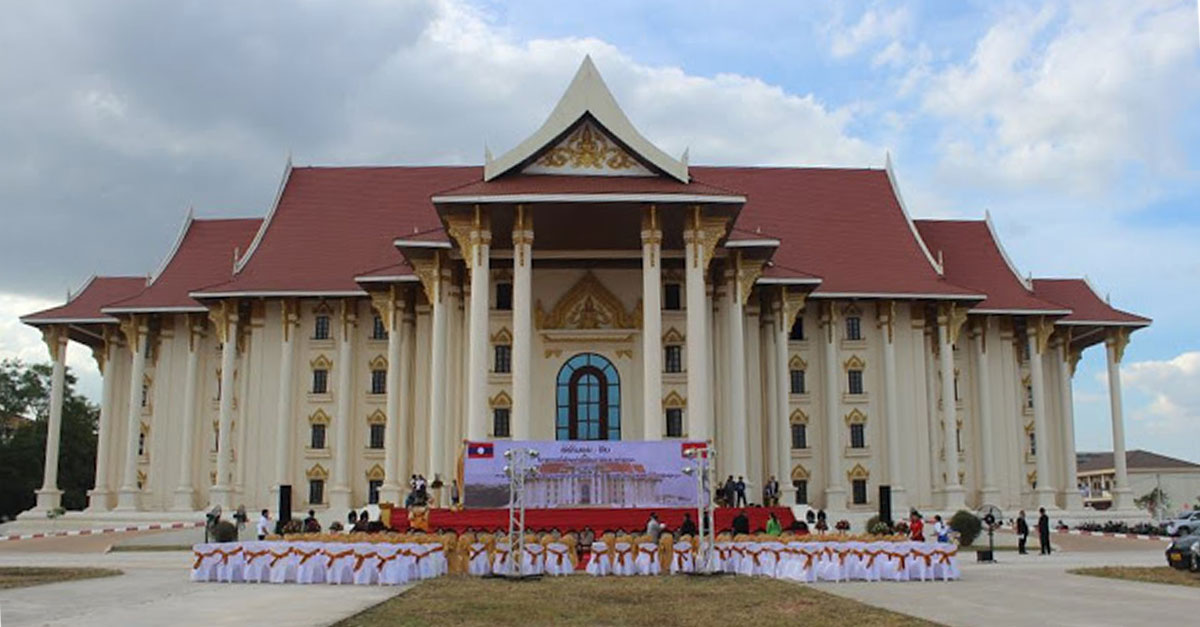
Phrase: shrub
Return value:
(967, 525)
(877, 527)
(293, 526)
(225, 531)
(842, 525)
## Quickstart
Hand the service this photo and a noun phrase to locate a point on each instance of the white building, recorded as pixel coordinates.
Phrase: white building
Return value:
(585, 285)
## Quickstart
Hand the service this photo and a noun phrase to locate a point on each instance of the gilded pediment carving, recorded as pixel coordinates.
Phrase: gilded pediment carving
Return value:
(587, 305)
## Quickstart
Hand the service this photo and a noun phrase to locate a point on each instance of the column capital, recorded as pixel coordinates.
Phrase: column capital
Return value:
(429, 272)
(885, 316)
(791, 304)
(55, 336)
(390, 305)
(1042, 328)
(348, 318)
(472, 232)
(1118, 339)
(954, 316)
(522, 234)
(702, 233)
(747, 273)
(223, 314)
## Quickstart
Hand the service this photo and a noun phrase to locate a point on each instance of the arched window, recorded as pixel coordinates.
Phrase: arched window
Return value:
(588, 399)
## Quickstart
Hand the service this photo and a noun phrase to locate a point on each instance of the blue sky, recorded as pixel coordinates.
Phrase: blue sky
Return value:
(1075, 123)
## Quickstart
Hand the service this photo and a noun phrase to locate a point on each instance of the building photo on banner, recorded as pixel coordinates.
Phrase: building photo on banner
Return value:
(524, 304)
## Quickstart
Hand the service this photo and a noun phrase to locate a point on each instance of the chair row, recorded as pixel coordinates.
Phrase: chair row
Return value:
(317, 562)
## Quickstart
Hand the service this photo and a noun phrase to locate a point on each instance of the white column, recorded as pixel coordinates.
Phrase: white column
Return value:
(891, 409)
(283, 415)
(404, 390)
(185, 492)
(1044, 494)
(952, 492)
(1115, 346)
(476, 256)
(437, 375)
(770, 377)
(653, 420)
(391, 312)
(50, 497)
(835, 492)
(522, 304)
(736, 398)
(780, 437)
(98, 496)
(698, 251)
(340, 495)
(135, 337)
(989, 494)
(1072, 499)
(754, 405)
(224, 319)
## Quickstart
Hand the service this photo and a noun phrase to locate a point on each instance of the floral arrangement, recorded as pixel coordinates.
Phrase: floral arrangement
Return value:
(842, 526)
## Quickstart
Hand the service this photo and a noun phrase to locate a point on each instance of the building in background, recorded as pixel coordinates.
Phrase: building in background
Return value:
(586, 285)
(1178, 479)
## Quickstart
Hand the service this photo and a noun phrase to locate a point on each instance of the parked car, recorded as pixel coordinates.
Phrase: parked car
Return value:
(1184, 553)
(1187, 524)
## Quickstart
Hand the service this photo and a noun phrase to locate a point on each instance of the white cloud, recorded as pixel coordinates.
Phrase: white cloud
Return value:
(1070, 95)
(874, 25)
(20, 341)
(1173, 389)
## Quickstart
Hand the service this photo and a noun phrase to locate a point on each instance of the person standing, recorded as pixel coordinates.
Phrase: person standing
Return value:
(654, 527)
(727, 491)
(1022, 533)
(941, 529)
(739, 489)
(916, 527)
(773, 526)
(771, 492)
(1043, 531)
(264, 525)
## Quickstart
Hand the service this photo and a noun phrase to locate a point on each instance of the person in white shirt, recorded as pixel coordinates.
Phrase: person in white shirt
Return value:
(941, 529)
(264, 525)
(654, 527)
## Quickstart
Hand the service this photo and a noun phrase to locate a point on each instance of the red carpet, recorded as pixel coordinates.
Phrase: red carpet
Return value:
(576, 519)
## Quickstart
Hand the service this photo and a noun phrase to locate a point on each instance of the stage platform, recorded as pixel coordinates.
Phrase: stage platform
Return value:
(598, 520)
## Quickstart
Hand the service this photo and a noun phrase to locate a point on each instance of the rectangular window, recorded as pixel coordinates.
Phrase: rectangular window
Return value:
(797, 377)
(377, 435)
(956, 396)
(858, 436)
(145, 394)
(1029, 397)
(853, 328)
(502, 358)
(316, 436)
(373, 486)
(799, 435)
(1032, 443)
(797, 332)
(673, 358)
(379, 381)
(958, 440)
(316, 491)
(504, 296)
(801, 486)
(860, 491)
(141, 444)
(501, 422)
(320, 384)
(378, 331)
(672, 299)
(674, 422)
(321, 330)
(854, 379)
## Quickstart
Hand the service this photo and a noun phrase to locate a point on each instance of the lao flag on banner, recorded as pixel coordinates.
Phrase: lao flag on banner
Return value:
(479, 450)
(684, 446)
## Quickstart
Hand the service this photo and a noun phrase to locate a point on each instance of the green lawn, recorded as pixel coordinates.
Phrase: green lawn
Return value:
(23, 576)
(1148, 574)
(640, 601)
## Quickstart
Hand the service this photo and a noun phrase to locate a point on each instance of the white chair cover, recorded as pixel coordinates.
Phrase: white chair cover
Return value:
(366, 563)
(535, 559)
(945, 564)
(599, 564)
(771, 559)
(558, 559)
(284, 563)
(920, 561)
(682, 560)
(206, 558)
(623, 559)
(477, 559)
(394, 564)
(646, 560)
(500, 559)
(340, 570)
(232, 566)
(311, 562)
(257, 558)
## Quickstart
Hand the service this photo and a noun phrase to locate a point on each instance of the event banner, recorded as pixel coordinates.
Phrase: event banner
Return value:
(584, 474)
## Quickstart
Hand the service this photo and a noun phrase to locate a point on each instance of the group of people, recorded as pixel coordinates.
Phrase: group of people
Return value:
(1043, 528)
(732, 493)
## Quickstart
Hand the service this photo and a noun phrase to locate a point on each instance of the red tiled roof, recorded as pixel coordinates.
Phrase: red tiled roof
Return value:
(85, 305)
(1136, 459)
(203, 257)
(843, 225)
(1086, 306)
(972, 257)
(527, 184)
(333, 224)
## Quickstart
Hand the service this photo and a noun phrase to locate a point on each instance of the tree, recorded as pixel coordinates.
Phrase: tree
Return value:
(25, 392)
(1154, 501)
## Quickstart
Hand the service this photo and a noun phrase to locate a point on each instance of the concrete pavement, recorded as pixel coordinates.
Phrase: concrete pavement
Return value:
(155, 590)
(1030, 589)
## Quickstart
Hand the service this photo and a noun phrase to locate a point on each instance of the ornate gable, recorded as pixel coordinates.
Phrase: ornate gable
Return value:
(587, 305)
(587, 150)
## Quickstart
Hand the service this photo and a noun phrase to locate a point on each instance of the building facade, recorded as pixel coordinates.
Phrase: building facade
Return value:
(585, 285)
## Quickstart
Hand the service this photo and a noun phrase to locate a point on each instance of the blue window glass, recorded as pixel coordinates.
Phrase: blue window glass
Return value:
(588, 399)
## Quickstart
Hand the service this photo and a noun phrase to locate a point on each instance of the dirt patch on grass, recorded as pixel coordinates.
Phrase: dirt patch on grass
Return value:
(1147, 574)
(635, 601)
(24, 576)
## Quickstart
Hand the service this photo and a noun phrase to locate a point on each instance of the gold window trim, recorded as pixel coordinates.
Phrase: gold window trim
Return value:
(674, 401)
(797, 363)
(798, 417)
(317, 472)
(856, 417)
(858, 472)
(379, 363)
(501, 399)
(376, 473)
(377, 417)
(800, 472)
(855, 363)
(319, 417)
(321, 362)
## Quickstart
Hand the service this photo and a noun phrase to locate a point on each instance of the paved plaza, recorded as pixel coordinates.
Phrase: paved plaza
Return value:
(155, 590)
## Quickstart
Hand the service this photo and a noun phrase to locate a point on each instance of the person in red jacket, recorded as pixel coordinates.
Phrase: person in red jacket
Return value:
(916, 527)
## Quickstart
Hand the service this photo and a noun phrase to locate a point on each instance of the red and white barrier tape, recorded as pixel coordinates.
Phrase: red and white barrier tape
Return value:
(91, 532)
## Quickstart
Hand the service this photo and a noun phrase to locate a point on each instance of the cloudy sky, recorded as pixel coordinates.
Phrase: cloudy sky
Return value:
(1076, 124)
